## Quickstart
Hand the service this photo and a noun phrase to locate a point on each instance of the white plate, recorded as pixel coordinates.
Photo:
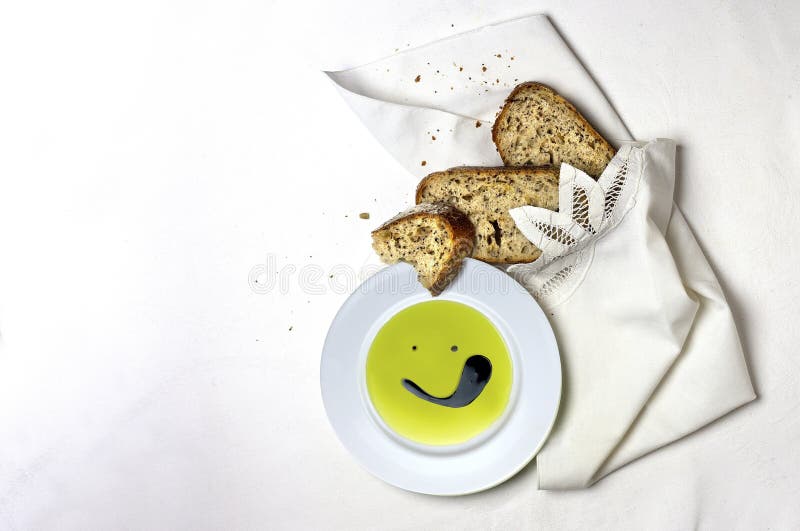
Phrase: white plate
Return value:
(488, 459)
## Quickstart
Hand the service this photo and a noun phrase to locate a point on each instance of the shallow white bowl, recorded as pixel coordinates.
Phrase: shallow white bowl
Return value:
(483, 462)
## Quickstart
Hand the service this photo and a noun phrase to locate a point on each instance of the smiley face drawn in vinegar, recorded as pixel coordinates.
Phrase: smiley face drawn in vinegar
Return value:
(439, 373)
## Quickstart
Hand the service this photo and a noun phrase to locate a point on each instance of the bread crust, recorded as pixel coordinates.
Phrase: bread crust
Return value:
(549, 170)
(512, 99)
(456, 220)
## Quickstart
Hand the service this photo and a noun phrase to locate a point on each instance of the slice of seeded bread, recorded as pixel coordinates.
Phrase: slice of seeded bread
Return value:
(539, 127)
(433, 237)
(486, 195)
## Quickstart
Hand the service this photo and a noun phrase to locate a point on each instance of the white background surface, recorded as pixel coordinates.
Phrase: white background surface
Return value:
(152, 154)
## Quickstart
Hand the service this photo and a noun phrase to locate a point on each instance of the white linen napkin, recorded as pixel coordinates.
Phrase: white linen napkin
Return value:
(649, 349)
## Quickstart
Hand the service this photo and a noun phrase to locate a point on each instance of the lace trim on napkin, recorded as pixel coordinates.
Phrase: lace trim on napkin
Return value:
(588, 210)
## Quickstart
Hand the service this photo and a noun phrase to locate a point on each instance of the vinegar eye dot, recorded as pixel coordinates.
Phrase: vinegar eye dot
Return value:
(414, 347)
(454, 348)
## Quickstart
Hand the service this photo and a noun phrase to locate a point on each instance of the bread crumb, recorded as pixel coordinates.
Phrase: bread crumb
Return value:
(433, 137)
(498, 56)
(423, 163)
(483, 68)
(478, 123)
(416, 79)
(512, 57)
(364, 215)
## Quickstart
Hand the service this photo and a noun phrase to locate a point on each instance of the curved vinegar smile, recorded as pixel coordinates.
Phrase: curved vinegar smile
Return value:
(474, 377)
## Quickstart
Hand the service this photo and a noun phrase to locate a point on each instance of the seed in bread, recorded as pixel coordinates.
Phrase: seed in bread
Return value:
(537, 126)
(433, 237)
(486, 195)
